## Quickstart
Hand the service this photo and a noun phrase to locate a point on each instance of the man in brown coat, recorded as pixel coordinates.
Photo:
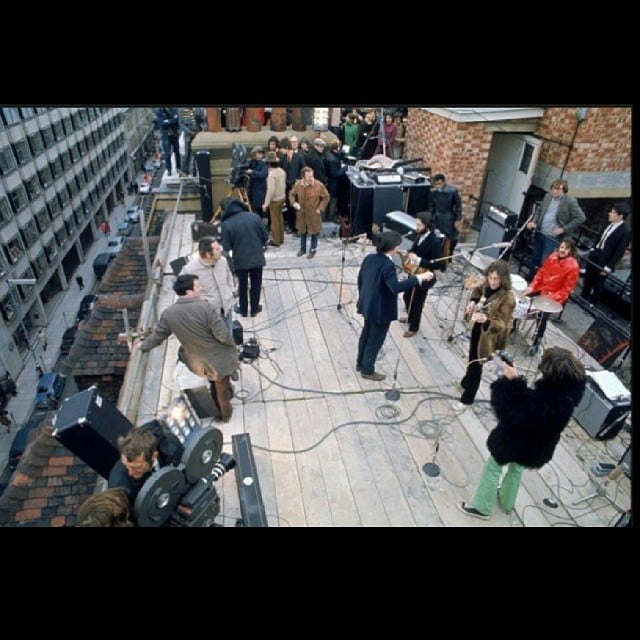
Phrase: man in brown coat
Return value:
(309, 197)
(207, 346)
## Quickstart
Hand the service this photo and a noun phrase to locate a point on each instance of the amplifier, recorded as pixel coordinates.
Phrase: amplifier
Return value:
(89, 425)
(601, 417)
(404, 224)
(387, 178)
(414, 177)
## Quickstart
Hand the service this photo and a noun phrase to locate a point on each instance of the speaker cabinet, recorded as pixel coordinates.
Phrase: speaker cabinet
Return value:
(89, 426)
(418, 197)
(599, 416)
(361, 209)
(497, 226)
(204, 180)
(386, 199)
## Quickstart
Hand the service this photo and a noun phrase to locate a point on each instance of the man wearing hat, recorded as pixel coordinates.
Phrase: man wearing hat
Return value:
(315, 160)
(274, 199)
(257, 173)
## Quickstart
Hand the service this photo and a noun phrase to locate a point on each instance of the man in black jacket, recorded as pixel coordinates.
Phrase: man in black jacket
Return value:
(606, 253)
(530, 422)
(378, 289)
(244, 234)
(425, 249)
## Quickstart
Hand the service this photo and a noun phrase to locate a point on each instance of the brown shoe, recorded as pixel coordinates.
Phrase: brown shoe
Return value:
(403, 319)
(374, 376)
(408, 334)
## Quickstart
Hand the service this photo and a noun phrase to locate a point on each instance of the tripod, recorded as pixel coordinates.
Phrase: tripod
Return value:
(236, 193)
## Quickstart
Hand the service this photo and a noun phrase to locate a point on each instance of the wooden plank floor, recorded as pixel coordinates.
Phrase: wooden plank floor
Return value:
(332, 450)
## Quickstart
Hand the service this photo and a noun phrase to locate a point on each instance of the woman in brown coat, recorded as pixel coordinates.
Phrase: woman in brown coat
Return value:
(490, 308)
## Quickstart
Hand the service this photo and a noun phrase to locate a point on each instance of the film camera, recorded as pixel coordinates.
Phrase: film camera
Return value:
(184, 495)
(239, 165)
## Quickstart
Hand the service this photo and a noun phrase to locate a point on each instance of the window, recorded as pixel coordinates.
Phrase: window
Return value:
(13, 250)
(18, 199)
(21, 149)
(54, 208)
(42, 220)
(47, 137)
(33, 187)
(73, 188)
(79, 216)
(74, 153)
(56, 167)
(8, 311)
(39, 265)
(77, 121)
(29, 233)
(51, 251)
(36, 143)
(61, 236)
(7, 161)
(68, 125)
(525, 161)
(58, 130)
(11, 116)
(45, 177)
(66, 160)
(6, 215)
(63, 195)
(27, 112)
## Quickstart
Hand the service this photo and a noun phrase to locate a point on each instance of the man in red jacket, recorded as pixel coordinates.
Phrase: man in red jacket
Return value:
(555, 279)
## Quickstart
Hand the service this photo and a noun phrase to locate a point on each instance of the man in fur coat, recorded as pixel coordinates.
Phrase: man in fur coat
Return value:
(530, 422)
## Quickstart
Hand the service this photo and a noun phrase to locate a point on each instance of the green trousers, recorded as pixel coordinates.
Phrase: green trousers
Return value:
(487, 490)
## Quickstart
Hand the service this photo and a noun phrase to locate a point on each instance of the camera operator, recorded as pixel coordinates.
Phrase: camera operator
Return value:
(142, 451)
(257, 172)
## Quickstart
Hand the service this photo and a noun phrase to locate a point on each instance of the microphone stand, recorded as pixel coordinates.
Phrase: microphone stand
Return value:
(513, 240)
(345, 241)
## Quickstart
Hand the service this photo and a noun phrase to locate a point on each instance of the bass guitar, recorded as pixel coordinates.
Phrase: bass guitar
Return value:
(408, 266)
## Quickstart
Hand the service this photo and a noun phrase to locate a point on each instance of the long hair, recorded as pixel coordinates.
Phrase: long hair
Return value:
(502, 269)
(110, 508)
(560, 366)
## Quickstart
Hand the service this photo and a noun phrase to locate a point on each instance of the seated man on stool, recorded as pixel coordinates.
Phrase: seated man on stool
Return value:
(555, 279)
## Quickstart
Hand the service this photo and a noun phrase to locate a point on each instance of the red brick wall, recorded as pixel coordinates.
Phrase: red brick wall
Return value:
(603, 140)
(459, 150)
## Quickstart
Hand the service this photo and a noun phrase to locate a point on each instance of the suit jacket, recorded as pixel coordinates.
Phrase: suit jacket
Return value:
(430, 249)
(206, 341)
(614, 247)
(378, 288)
(569, 215)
